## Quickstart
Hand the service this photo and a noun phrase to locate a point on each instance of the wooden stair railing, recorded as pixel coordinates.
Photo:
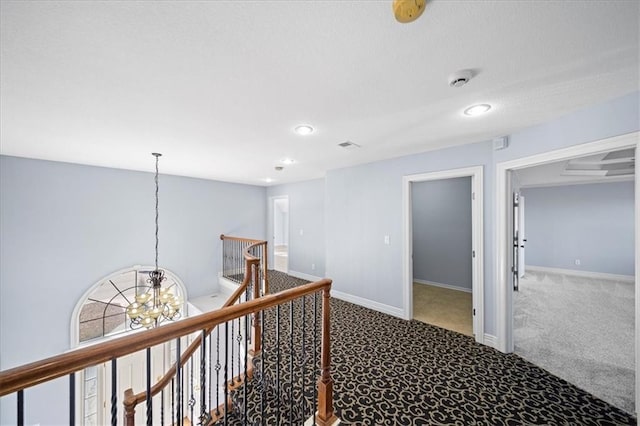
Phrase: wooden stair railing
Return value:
(252, 266)
(19, 378)
(231, 249)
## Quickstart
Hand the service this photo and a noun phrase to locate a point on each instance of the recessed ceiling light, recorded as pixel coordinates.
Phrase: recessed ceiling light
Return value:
(477, 109)
(304, 129)
(268, 180)
(287, 161)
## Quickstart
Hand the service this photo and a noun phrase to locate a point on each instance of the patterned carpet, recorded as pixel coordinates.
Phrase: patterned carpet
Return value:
(389, 371)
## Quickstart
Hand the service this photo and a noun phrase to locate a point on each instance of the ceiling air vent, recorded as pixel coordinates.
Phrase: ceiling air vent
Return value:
(348, 145)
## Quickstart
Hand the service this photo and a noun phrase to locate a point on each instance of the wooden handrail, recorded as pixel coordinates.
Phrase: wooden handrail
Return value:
(131, 399)
(248, 240)
(32, 374)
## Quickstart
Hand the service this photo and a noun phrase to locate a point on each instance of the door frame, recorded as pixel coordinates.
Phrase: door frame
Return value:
(270, 230)
(504, 293)
(477, 240)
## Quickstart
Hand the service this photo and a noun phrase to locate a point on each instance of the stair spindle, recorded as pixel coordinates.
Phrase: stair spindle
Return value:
(263, 387)
(178, 383)
(192, 400)
(291, 356)
(20, 420)
(72, 399)
(204, 419)
(304, 354)
(315, 352)
(246, 361)
(114, 392)
(218, 367)
(148, 381)
(278, 364)
(226, 372)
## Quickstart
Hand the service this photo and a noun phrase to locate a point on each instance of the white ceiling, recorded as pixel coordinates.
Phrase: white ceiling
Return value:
(218, 86)
(614, 166)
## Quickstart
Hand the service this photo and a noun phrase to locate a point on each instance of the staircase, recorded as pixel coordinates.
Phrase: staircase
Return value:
(261, 359)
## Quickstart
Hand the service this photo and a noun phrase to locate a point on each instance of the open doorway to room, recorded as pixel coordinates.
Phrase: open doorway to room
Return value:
(443, 249)
(280, 226)
(442, 276)
(574, 305)
(570, 305)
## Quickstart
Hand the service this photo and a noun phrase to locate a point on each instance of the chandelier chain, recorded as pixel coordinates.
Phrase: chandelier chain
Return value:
(156, 180)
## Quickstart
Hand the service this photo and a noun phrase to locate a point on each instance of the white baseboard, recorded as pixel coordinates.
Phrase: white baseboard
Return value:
(227, 283)
(376, 306)
(449, 286)
(304, 276)
(587, 274)
(491, 341)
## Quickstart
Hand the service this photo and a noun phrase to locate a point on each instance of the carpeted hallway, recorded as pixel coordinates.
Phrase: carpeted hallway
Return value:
(389, 371)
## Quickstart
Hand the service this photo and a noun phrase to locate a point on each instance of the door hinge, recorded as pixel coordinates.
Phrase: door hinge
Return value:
(473, 195)
(473, 253)
(474, 312)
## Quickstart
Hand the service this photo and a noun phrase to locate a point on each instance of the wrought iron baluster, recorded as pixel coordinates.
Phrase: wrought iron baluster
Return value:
(239, 340)
(204, 419)
(304, 354)
(162, 407)
(246, 360)
(227, 342)
(218, 366)
(149, 399)
(315, 353)
(114, 392)
(278, 364)
(173, 398)
(291, 355)
(192, 400)
(263, 387)
(20, 420)
(183, 394)
(178, 383)
(72, 399)
(226, 372)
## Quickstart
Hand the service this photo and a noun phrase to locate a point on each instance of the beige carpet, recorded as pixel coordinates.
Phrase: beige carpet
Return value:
(442, 307)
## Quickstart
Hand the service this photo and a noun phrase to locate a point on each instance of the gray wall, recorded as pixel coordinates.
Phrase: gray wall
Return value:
(593, 223)
(63, 227)
(442, 232)
(306, 213)
(364, 203)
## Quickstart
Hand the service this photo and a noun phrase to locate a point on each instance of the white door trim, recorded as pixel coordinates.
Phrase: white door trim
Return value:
(477, 240)
(504, 320)
(271, 247)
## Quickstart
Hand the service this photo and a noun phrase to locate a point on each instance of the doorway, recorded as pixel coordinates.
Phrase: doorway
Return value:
(441, 225)
(506, 257)
(280, 227)
(473, 254)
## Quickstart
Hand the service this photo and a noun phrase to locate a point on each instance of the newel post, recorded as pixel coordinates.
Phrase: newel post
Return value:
(325, 383)
(129, 408)
(256, 328)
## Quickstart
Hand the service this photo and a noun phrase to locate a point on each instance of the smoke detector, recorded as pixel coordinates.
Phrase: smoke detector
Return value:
(460, 78)
(279, 168)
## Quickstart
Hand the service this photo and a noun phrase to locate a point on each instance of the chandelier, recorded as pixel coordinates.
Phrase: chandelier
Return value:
(154, 303)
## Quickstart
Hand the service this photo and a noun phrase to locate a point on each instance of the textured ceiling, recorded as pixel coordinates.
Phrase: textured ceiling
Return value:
(218, 86)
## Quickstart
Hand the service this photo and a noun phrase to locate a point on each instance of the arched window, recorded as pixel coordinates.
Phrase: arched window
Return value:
(102, 310)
